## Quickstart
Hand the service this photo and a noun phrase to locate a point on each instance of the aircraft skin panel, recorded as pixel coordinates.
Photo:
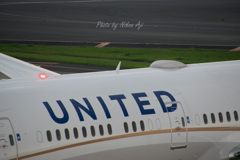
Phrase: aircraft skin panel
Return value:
(92, 99)
(137, 147)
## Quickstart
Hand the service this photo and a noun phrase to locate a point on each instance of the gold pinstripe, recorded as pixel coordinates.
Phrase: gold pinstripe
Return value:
(131, 135)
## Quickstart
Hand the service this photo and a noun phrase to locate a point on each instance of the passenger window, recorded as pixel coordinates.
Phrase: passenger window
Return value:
(109, 129)
(197, 118)
(150, 124)
(101, 130)
(84, 131)
(158, 123)
(183, 122)
(58, 134)
(39, 137)
(220, 117)
(126, 127)
(49, 136)
(142, 125)
(75, 131)
(67, 134)
(235, 115)
(228, 116)
(205, 119)
(11, 140)
(213, 118)
(134, 126)
(93, 131)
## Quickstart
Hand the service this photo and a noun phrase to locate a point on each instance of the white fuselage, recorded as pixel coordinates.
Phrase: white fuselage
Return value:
(123, 114)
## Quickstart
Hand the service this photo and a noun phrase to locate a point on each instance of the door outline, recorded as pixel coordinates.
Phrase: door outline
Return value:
(177, 146)
(5, 118)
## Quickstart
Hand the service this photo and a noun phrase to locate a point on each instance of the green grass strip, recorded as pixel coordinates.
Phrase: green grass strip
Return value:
(74, 60)
(109, 57)
(131, 54)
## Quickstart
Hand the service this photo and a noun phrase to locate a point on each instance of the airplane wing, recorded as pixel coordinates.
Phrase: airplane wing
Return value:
(15, 68)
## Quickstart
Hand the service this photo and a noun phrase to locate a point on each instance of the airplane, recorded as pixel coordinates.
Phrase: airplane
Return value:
(169, 111)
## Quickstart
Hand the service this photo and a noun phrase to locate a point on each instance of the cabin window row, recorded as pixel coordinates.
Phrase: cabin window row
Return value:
(134, 126)
(220, 117)
(76, 134)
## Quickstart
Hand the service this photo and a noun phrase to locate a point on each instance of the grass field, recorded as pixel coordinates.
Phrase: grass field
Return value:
(109, 57)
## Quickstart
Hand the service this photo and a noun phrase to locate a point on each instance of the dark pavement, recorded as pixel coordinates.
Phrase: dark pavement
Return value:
(65, 68)
(164, 21)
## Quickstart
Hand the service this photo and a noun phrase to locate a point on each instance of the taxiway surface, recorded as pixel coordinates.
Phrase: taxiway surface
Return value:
(163, 21)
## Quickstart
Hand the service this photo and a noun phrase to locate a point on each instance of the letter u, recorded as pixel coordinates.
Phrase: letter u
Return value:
(65, 117)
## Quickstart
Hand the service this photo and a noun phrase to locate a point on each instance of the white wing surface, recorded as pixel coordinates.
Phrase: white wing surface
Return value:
(15, 68)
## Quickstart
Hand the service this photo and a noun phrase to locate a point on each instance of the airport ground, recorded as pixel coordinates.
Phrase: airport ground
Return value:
(205, 22)
(126, 23)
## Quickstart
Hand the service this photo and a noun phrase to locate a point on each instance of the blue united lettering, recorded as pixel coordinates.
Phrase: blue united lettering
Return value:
(87, 107)
(142, 103)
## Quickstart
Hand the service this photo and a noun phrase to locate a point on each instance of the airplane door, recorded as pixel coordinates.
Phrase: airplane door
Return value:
(178, 125)
(8, 148)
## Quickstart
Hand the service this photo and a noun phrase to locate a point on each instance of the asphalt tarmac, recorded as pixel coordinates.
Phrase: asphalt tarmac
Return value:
(161, 21)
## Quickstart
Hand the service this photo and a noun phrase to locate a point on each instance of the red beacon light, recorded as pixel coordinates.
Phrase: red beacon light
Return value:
(43, 76)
